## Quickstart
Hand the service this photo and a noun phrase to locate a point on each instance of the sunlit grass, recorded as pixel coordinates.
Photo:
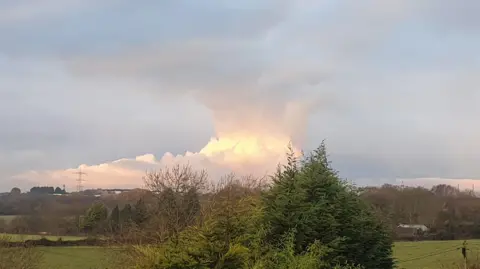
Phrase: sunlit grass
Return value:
(434, 254)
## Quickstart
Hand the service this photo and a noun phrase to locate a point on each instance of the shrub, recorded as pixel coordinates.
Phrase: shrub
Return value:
(18, 257)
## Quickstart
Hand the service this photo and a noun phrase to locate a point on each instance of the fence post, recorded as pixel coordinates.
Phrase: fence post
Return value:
(464, 253)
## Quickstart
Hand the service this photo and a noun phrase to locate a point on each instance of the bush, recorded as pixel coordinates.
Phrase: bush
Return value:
(18, 257)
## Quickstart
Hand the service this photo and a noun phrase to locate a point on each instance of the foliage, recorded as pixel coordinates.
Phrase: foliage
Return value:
(284, 257)
(115, 219)
(308, 196)
(232, 235)
(18, 258)
(140, 214)
(94, 217)
(307, 219)
(126, 214)
(223, 240)
(59, 191)
(15, 191)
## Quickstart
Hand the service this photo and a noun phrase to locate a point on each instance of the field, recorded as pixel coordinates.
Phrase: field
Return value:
(23, 237)
(76, 257)
(434, 254)
(410, 255)
(7, 218)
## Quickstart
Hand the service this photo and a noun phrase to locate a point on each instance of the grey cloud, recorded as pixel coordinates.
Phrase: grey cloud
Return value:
(104, 27)
(390, 105)
(340, 53)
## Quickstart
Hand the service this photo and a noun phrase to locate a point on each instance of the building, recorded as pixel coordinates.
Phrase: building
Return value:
(410, 231)
(420, 227)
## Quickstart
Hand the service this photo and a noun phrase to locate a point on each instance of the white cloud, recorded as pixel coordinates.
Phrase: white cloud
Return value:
(129, 173)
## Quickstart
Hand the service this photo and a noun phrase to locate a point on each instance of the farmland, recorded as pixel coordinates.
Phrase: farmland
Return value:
(434, 254)
(75, 257)
(410, 255)
(7, 218)
(23, 237)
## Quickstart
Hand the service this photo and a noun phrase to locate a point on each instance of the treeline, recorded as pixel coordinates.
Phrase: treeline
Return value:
(98, 219)
(47, 190)
(39, 190)
(44, 204)
(56, 215)
(448, 212)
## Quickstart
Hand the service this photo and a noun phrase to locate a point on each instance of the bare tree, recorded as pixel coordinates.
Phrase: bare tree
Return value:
(178, 190)
(178, 178)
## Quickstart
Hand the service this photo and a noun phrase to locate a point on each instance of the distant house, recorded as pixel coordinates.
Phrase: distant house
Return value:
(420, 227)
(410, 231)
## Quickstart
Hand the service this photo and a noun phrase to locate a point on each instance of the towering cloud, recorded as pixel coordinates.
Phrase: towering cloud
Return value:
(254, 121)
(382, 80)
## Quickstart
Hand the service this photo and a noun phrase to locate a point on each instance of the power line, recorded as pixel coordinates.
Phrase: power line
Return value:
(80, 179)
(430, 255)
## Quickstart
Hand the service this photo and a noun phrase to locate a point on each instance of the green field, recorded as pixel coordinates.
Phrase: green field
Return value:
(8, 218)
(434, 254)
(23, 237)
(76, 257)
(409, 255)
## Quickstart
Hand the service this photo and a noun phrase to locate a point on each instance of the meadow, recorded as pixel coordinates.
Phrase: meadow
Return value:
(23, 237)
(434, 254)
(410, 255)
(8, 218)
(77, 257)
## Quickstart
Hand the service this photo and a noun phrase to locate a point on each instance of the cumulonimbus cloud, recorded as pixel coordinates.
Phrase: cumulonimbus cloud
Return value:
(263, 72)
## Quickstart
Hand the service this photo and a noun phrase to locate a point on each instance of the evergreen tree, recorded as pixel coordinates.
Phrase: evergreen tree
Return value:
(15, 191)
(94, 217)
(126, 214)
(58, 190)
(309, 198)
(115, 219)
(140, 214)
(284, 203)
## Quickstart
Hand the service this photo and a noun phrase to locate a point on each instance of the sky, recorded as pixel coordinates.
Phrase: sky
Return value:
(118, 88)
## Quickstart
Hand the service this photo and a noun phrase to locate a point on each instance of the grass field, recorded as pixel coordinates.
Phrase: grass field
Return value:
(76, 258)
(410, 255)
(23, 237)
(434, 254)
(7, 218)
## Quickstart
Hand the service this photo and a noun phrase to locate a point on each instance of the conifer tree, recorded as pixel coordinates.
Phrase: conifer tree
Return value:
(115, 219)
(140, 214)
(126, 214)
(309, 197)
